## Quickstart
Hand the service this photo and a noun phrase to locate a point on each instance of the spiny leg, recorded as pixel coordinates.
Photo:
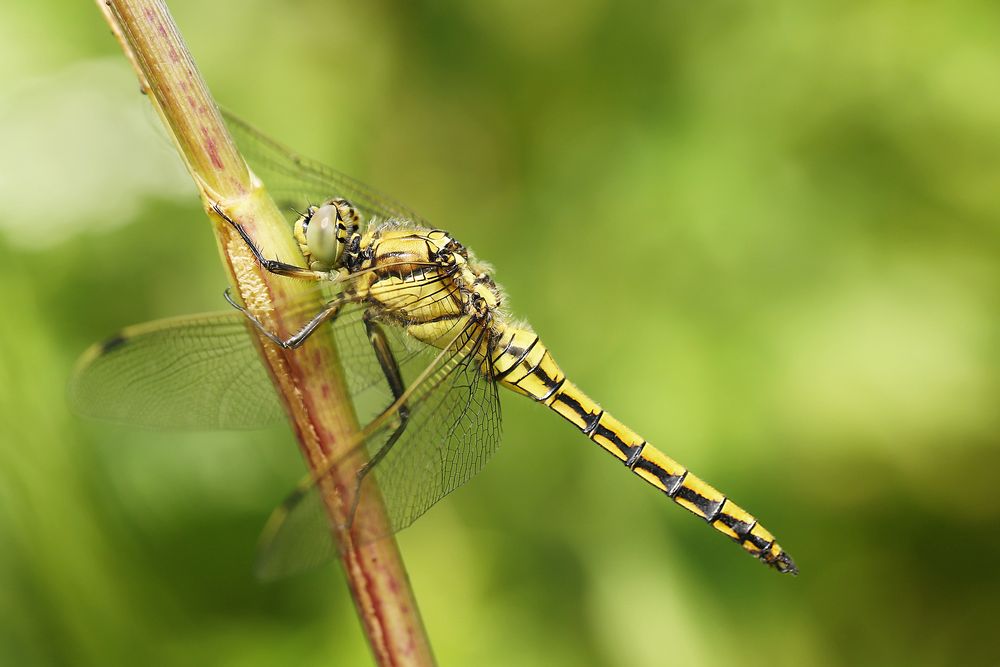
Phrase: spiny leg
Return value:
(329, 312)
(274, 266)
(390, 368)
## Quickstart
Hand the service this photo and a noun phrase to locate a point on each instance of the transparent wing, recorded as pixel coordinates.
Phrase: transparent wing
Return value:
(194, 372)
(296, 182)
(203, 372)
(454, 428)
(452, 431)
(200, 372)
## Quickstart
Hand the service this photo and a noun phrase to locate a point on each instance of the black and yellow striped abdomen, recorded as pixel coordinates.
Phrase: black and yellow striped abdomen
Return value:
(432, 286)
(523, 364)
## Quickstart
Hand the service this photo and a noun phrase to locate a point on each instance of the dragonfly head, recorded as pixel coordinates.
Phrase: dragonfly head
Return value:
(324, 231)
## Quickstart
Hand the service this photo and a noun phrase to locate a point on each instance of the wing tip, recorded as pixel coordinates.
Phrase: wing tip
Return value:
(111, 344)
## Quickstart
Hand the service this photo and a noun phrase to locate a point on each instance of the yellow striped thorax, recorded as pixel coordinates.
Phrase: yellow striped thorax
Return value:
(425, 280)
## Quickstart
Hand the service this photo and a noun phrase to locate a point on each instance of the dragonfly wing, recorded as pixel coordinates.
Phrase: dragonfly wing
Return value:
(452, 430)
(297, 182)
(202, 372)
(194, 372)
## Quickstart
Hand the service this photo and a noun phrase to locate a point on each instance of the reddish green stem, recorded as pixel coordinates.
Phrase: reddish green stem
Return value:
(309, 380)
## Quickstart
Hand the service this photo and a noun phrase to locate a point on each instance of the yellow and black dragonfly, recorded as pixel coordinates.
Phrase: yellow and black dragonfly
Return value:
(426, 342)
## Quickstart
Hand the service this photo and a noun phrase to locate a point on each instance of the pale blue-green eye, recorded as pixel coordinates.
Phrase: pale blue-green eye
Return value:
(321, 236)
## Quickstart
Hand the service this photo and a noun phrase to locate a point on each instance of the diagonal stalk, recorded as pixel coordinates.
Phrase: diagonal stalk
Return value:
(309, 380)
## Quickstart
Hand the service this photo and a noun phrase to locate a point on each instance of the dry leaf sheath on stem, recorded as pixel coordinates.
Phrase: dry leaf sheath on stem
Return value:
(309, 379)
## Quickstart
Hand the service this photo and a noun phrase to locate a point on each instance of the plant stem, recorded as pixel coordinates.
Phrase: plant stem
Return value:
(309, 379)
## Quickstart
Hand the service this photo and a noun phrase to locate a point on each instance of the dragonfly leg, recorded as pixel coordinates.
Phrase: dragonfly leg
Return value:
(328, 312)
(271, 265)
(390, 368)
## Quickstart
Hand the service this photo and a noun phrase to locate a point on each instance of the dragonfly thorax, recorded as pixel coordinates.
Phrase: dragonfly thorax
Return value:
(425, 280)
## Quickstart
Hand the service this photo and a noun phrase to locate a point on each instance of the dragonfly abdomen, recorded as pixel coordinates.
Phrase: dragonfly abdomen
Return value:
(523, 364)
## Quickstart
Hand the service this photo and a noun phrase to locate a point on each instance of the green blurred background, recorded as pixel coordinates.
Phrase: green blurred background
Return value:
(765, 237)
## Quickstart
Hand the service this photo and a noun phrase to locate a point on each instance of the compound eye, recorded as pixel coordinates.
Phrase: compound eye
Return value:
(321, 235)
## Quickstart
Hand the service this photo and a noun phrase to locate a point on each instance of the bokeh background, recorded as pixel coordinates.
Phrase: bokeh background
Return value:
(764, 236)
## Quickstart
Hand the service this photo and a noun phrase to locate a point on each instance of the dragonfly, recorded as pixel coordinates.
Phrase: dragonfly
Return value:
(426, 341)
